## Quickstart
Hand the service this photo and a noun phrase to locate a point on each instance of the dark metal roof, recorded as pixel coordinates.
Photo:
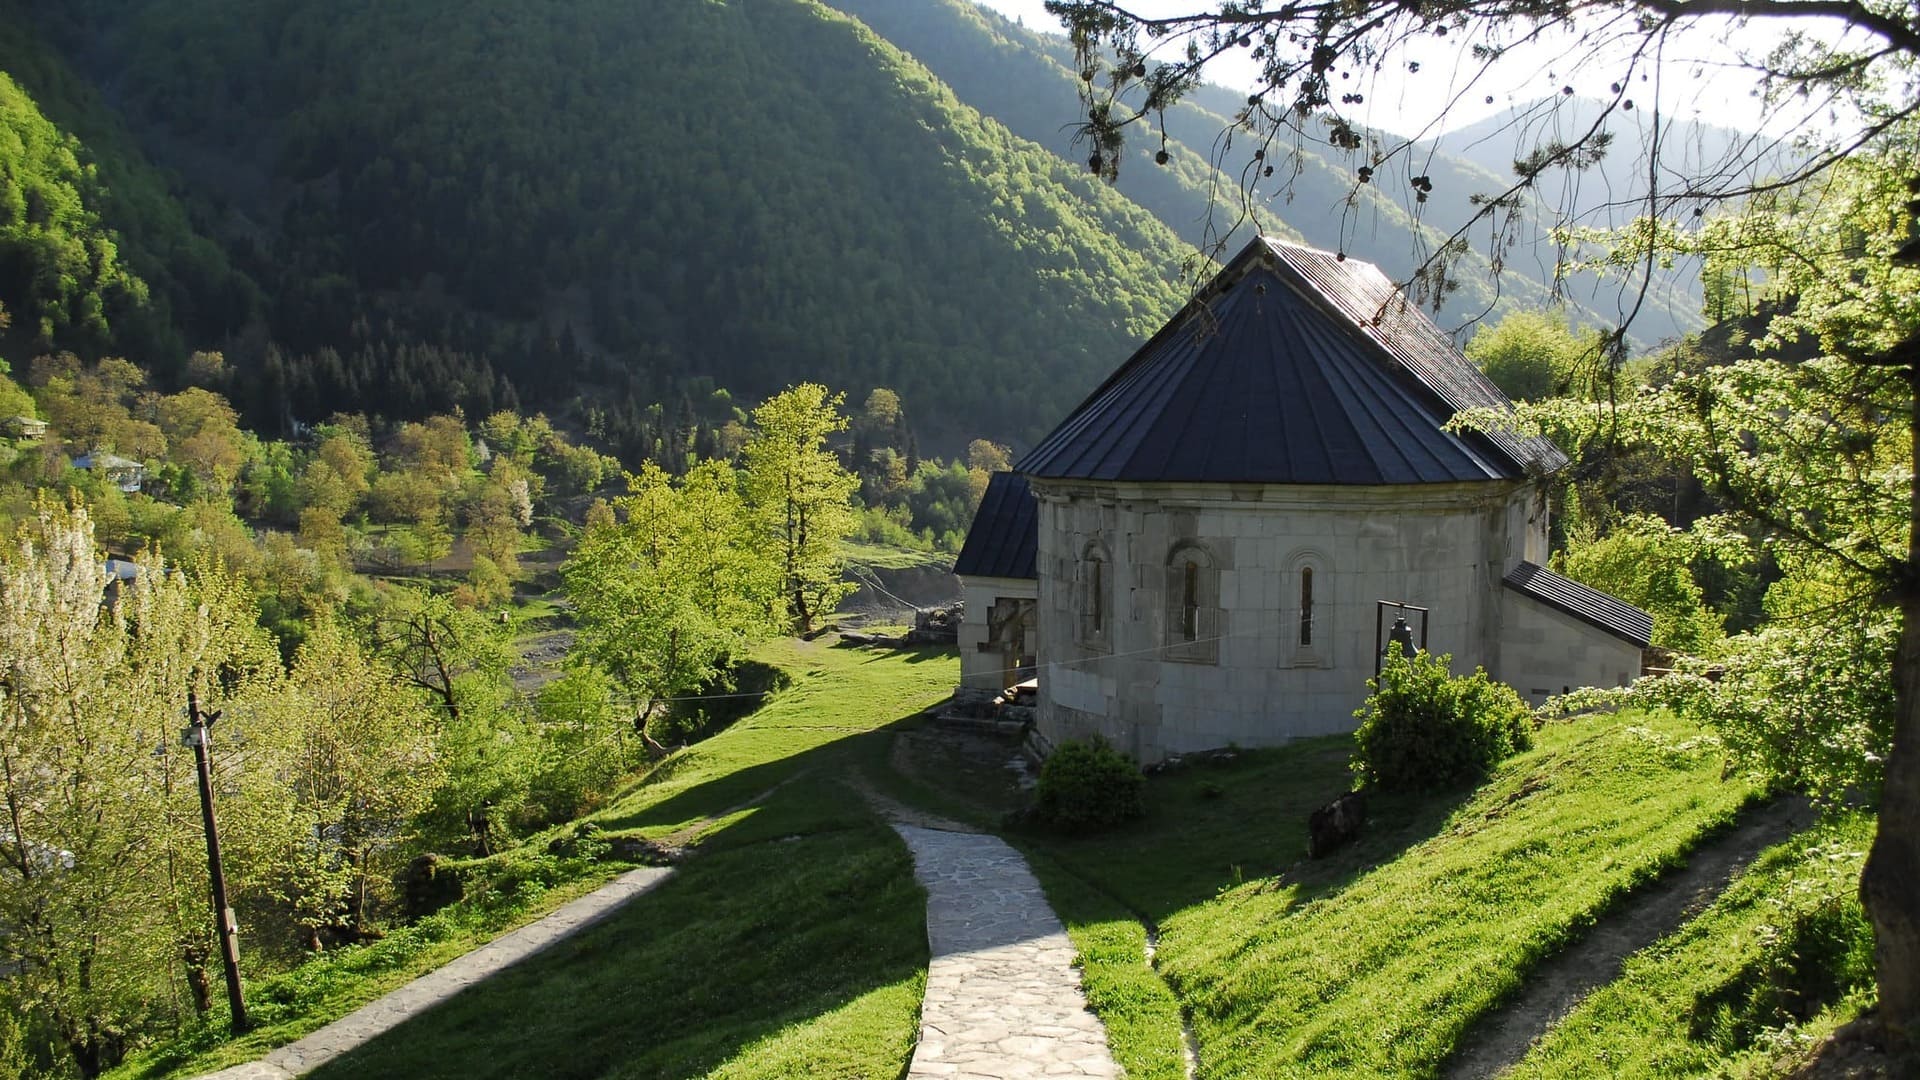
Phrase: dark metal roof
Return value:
(1005, 531)
(1295, 367)
(1583, 602)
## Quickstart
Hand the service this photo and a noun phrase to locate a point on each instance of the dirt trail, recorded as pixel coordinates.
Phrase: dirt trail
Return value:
(1503, 1037)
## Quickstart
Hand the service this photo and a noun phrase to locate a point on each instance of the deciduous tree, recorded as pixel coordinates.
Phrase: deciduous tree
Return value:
(680, 583)
(103, 890)
(1819, 457)
(801, 497)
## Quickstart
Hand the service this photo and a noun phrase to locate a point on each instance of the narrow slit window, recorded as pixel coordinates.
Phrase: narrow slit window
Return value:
(1097, 602)
(1190, 603)
(1306, 605)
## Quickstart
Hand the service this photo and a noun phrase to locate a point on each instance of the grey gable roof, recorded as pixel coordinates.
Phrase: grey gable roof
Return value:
(1005, 531)
(1296, 367)
(1583, 602)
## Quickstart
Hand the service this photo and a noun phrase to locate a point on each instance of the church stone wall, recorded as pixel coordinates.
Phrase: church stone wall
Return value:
(1547, 651)
(1445, 547)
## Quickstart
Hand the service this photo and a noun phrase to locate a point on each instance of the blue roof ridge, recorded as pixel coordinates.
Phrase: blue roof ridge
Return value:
(1531, 454)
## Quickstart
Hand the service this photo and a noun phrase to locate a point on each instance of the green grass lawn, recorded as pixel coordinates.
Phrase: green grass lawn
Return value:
(1372, 962)
(800, 957)
(1381, 975)
(793, 943)
(838, 694)
(887, 557)
(1774, 964)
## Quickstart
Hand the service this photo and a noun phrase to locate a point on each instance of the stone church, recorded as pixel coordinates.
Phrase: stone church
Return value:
(1214, 546)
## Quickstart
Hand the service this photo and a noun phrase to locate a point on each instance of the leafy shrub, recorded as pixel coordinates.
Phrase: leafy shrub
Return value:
(1650, 564)
(1422, 728)
(1806, 706)
(585, 840)
(1089, 785)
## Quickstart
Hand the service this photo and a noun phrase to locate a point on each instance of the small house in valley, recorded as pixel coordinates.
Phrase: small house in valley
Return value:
(124, 473)
(1213, 547)
(23, 428)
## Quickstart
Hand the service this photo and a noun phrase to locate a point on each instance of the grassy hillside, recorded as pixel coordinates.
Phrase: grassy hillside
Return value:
(1773, 965)
(791, 944)
(1380, 960)
(660, 182)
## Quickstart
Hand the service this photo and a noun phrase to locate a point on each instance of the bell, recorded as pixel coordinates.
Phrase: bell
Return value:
(1401, 633)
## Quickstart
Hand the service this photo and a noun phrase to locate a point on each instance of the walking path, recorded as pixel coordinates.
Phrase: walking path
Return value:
(428, 990)
(1003, 999)
(1503, 1037)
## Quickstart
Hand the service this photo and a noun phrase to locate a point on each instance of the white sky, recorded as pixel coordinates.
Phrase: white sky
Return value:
(1700, 80)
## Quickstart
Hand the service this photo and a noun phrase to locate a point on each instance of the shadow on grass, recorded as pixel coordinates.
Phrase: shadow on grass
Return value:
(711, 798)
(791, 749)
(912, 654)
(1220, 823)
(802, 947)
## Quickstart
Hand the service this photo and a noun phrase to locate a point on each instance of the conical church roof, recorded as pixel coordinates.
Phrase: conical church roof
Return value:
(1293, 366)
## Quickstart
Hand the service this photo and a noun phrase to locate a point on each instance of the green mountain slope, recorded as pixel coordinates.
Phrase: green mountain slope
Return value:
(440, 190)
(95, 252)
(1026, 80)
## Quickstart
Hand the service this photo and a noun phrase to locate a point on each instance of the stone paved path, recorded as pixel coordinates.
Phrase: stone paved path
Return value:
(1003, 999)
(436, 986)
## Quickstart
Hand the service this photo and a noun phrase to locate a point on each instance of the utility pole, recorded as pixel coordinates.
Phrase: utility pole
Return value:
(225, 927)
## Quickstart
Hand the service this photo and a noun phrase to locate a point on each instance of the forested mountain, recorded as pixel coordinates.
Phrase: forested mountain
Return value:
(1025, 79)
(598, 205)
(1604, 193)
(94, 249)
(462, 203)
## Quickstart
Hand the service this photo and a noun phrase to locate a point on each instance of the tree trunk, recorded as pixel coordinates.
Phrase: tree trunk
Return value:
(1890, 884)
(199, 982)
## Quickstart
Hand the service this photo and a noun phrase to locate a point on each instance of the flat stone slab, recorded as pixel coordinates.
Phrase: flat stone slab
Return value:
(382, 1015)
(1003, 999)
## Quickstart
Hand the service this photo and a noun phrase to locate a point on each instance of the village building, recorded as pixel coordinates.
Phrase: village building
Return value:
(1214, 546)
(124, 473)
(22, 428)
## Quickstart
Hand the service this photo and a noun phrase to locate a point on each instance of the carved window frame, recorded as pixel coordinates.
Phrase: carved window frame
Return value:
(1093, 606)
(1193, 622)
(1307, 607)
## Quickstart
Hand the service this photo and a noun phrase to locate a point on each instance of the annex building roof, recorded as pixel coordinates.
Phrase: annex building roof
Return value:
(1293, 366)
(1583, 602)
(1005, 531)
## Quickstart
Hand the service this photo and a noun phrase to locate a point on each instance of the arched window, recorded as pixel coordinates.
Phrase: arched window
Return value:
(1307, 614)
(1093, 602)
(1306, 607)
(1192, 626)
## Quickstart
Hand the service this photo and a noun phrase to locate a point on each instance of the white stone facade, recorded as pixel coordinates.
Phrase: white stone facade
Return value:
(1202, 629)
